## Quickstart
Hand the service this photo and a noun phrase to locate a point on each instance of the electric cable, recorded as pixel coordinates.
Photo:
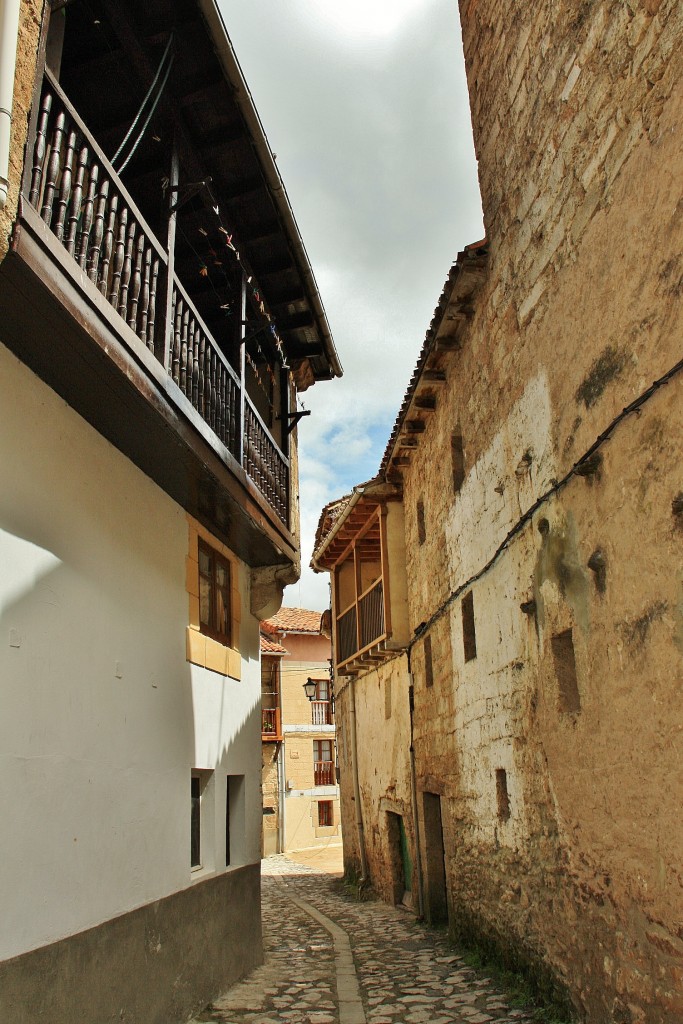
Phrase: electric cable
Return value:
(149, 93)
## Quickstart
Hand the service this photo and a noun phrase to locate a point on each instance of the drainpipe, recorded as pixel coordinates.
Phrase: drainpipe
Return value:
(9, 32)
(281, 797)
(413, 795)
(356, 786)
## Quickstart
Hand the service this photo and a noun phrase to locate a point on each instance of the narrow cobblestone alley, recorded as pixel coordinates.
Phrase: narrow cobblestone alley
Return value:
(332, 960)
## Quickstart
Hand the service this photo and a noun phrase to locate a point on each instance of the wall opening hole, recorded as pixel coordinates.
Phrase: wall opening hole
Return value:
(469, 637)
(502, 795)
(429, 666)
(458, 461)
(421, 530)
(565, 670)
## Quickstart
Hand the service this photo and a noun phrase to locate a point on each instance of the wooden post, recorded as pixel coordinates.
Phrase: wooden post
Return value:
(163, 347)
(384, 550)
(242, 333)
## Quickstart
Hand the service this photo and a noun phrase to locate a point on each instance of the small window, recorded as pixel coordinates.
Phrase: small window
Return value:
(387, 699)
(325, 814)
(502, 796)
(234, 820)
(214, 594)
(565, 670)
(421, 529)
(429, 667)
(196, 822)
(469, 636)
(202, 812)
(458, 462)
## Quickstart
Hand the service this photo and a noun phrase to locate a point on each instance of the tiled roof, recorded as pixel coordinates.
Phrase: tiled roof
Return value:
(295, 620)
(472, 255)
(269, 646)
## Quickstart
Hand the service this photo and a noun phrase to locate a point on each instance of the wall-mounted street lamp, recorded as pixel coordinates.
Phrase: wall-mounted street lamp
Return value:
(310, 688)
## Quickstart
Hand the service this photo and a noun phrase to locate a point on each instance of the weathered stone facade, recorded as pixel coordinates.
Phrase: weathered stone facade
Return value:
(30, 17)
(544, 528)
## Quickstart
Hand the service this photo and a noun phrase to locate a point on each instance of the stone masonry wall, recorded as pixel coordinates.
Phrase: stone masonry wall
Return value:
(383, 740)
(555, 740)
(27, 46)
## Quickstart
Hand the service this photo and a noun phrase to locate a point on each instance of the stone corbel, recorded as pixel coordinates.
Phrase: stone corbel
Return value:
(267, 584)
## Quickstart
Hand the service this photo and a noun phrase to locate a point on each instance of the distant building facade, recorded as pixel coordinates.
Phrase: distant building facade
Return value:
(300, 790)
(524, 741)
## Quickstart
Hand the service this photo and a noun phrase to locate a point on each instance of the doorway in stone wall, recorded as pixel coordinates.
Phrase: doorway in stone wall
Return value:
(400, 861)
(436, 889)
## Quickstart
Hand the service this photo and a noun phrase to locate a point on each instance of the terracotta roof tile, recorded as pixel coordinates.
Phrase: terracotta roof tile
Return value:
(269, 646)
(295, 620)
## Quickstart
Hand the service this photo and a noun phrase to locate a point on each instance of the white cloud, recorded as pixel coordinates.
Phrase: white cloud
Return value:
(365, 104)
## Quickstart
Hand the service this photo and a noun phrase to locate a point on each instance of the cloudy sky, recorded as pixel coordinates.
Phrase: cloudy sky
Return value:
(364, 103)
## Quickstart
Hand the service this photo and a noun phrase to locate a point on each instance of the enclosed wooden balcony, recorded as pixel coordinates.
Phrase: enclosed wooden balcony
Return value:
(364, 550)
(143, 287)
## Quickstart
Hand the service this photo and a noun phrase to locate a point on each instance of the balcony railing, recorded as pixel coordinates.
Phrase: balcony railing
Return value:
(79, 196)
(361, 626)
(323, 773)
(321, 712)
(271, 728)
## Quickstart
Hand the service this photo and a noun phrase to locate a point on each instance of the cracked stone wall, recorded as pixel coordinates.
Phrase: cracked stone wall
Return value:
(550, 720)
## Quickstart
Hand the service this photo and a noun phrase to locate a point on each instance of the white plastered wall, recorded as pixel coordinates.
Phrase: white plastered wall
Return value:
(101, 716)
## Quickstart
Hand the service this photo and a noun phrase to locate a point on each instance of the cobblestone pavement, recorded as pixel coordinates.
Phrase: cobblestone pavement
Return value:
(406, 973)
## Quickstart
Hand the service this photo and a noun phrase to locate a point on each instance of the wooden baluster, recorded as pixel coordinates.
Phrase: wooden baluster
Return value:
(59, 220)
(178, 328)
(98, 232)
(108, 245)
(151, 322)
(201, 393)
(195, 365)
(75, 204)
(214, 390)
(183, 350)
(52, 172)
(87, 216)
(136, 283)
(127, 268)
(233, 418)
(220, 419)
(144, 295)
(119, 253)
(39, 150)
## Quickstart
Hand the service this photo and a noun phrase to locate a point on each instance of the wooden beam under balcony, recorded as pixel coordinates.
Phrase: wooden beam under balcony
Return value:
(57, 322)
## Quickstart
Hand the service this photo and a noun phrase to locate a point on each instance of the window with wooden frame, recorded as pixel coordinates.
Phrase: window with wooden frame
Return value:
(325, 814)
(214, 595)
(323, 764)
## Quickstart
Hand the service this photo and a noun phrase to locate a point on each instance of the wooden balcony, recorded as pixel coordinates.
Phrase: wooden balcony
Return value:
(91, 302)
(361, 628)
(321, 712)
(271, 725)
(323, 773)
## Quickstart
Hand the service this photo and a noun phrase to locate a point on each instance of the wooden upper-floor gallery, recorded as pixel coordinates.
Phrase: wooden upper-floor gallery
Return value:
(156, 278)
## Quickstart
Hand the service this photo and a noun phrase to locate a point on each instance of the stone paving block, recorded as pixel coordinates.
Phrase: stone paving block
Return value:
(381, 968)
